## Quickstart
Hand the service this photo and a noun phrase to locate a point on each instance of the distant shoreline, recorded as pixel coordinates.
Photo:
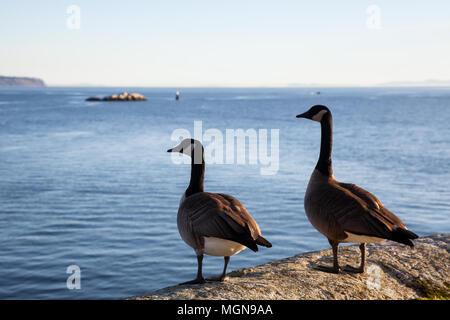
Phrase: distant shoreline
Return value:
(21, 82)
(231, 87)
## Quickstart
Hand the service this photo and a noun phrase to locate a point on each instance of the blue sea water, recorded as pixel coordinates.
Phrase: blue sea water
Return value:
(91, 184)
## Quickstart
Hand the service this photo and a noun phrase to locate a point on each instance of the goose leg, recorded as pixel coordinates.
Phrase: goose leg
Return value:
(199, 278)
(360, 269)
(335, 268)
(222, 276)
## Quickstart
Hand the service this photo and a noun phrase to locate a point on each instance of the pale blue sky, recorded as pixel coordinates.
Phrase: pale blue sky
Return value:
(225, 43)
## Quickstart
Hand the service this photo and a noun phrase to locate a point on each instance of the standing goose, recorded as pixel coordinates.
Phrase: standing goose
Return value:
(344, 212)
(216, 224)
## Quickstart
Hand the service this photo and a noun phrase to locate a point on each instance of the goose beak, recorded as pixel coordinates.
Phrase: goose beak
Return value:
(170, 150)
(304, 115)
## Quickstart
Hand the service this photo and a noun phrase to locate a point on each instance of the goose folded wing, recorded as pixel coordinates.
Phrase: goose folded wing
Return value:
(374, 204)
(352, 214)
(221, 216)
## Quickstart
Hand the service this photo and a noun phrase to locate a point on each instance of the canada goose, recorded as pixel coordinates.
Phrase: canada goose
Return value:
(216, 224)
(344, 212)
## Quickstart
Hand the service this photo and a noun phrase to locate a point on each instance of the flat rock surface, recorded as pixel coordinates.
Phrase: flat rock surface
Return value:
(393, 271)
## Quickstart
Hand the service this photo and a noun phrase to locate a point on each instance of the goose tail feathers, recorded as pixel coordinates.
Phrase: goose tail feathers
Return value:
(263, 242)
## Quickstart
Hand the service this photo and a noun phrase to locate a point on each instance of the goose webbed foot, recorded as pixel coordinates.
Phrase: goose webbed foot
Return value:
(360, 269)
(335, 268)
(195, 281)
(199, 279)
(327, 269)
(220, 278)
(349, 268)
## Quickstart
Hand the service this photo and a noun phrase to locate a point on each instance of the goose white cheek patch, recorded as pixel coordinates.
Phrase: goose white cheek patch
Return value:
(318, 116)
(187, 150)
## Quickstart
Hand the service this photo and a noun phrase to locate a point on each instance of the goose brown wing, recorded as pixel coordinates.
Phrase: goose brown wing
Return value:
(350, 213)
(221, 216)
(374, 204)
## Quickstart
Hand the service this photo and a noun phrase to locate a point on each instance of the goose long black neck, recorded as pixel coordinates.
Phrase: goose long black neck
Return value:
(326, 143)
(197, 177)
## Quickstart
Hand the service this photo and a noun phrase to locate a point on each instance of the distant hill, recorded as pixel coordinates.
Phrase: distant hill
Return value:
(21, 81)
(430, 82)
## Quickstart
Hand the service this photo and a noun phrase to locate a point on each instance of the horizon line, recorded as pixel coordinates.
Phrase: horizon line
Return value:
(382, 85)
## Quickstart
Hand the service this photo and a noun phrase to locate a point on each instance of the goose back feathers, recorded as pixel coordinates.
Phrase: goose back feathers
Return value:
(347, 213)
(217, 215)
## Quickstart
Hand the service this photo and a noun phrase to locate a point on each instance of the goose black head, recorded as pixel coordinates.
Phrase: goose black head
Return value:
(316, 113)
(190, 147)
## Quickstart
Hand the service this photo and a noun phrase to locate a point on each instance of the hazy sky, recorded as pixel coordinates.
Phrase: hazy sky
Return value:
(226, 43)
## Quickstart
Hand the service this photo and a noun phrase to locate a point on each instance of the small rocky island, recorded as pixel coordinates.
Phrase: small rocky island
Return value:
(21, 81)
(393, 271)
(120, 97)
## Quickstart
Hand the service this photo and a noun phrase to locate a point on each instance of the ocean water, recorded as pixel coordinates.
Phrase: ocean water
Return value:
(91, 184)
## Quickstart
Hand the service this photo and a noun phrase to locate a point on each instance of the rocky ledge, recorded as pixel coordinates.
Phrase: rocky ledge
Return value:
(120, 97)
(393, 271)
